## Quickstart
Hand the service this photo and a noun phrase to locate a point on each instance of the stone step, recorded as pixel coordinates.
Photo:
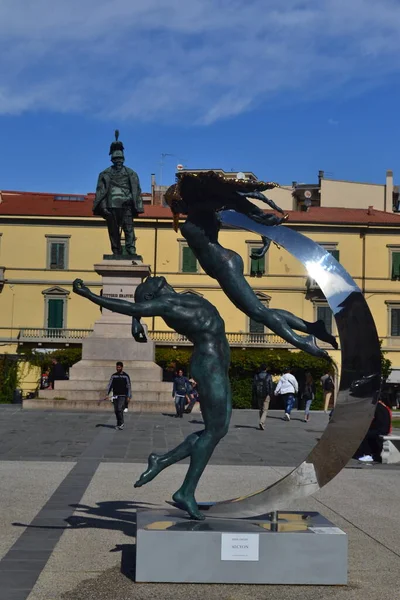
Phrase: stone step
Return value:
(92, 406)
(96, 395)
(102, 384)
(97, 370)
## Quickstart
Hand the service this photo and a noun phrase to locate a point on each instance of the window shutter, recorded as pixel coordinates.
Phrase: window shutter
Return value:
(335, 254)
(55, 313)
(61, 256)
(395, 266)
(324, 314)
(257, 267)
(189, 261)
(395, 322)
(256, 327)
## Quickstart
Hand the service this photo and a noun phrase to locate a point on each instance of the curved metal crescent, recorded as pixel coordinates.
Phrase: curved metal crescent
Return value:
(359, 377)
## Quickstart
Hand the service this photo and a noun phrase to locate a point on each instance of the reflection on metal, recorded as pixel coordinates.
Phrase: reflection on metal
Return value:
(359, 377)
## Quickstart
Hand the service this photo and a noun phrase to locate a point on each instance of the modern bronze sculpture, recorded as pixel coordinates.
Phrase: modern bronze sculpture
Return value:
(201, 197)
(199, 321)
(360, 370)
(118, 200)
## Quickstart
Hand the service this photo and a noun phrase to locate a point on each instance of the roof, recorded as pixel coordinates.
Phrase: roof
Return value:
(47, 205)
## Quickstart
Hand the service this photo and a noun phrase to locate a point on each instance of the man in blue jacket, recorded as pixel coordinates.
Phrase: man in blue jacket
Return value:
(179, 392)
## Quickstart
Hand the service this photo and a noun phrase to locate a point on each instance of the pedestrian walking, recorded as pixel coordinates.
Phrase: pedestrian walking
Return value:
(193, 396)
(328, 388)
(308, 395)
(371, 447)
(287, 388)
(262, 392)
(120, 386)
(180, 390)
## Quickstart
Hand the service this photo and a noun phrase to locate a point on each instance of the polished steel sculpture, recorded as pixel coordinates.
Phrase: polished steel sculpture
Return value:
(360, 377)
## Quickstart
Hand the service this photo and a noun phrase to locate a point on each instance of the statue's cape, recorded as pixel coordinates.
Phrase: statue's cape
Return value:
(103, 187)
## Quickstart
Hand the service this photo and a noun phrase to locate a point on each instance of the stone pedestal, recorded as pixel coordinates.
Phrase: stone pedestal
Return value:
(112, 341)
(295, 549)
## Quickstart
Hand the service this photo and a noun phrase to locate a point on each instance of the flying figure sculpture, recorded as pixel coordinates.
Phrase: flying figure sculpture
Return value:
(200, 196)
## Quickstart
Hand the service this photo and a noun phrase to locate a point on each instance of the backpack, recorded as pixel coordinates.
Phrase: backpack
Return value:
(261, 385)
(328, 384)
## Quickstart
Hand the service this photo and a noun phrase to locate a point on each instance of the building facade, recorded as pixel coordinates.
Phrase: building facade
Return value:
(46, 241)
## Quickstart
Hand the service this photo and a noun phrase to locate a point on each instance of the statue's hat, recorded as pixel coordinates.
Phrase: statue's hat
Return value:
(117, 147)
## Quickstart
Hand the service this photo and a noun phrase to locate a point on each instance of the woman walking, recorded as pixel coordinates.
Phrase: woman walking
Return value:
(308, 396)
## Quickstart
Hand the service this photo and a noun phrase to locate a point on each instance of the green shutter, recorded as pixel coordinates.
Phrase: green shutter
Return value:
(256, 327)
(395, 322)
(324, 313)
(335, 254)
(189, 262)
(55, 316)
(57, 255)
(257, 267)
(395, 266)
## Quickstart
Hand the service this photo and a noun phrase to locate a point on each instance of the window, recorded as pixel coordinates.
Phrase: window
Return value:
(332, 249)
(254, 326)
(188, 260)
(395, 321)
(55, 314)
(324, 313)
(257, 266)
(395, 265)
(57, 252)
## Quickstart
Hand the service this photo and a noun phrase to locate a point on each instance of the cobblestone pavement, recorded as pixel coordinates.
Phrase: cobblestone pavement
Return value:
(46, 435)
(67, 503)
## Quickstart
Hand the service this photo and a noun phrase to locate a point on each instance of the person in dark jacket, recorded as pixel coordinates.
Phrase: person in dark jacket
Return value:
(120, 385)
(262, 392)
(371, 447)
(57, 373)
(308, 396)
(180, 391)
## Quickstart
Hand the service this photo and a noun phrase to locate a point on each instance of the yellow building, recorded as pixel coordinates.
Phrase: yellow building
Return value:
(46, 241)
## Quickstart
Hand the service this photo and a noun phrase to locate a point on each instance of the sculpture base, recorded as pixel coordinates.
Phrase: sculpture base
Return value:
(298, 549)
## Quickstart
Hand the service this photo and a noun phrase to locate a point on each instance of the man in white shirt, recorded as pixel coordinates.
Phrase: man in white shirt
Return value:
(287, 388)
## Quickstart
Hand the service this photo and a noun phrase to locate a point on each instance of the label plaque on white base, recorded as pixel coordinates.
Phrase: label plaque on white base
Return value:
(240, 546)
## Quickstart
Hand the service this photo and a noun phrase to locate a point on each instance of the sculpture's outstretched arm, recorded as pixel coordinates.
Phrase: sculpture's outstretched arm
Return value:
(151, 308)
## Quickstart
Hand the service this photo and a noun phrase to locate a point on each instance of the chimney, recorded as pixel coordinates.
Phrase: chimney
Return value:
(153, 185)
(389, 191)
(370, 210)
(321, 175)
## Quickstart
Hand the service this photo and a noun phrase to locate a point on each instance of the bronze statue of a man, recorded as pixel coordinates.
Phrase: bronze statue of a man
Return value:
(119, 199)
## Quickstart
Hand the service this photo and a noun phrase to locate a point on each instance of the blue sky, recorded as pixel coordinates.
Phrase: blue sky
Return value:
(281, 88)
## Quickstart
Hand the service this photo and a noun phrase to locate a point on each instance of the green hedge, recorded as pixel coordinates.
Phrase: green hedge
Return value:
(9, 377)
(244, 363)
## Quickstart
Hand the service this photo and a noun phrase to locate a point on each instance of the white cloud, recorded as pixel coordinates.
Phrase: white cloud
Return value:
(196, 61)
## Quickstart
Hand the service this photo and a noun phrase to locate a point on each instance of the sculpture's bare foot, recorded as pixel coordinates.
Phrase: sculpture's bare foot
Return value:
(188, 503)
(153, 469)
(322, 334)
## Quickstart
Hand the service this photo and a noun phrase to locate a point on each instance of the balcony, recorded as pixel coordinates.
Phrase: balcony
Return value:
(50, 336)
(243, 340)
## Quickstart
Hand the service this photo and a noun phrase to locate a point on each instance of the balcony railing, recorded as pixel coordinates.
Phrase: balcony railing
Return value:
(34, 334)
(235, 339)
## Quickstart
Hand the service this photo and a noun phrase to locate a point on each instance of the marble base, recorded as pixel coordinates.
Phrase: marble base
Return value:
(299, 549)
